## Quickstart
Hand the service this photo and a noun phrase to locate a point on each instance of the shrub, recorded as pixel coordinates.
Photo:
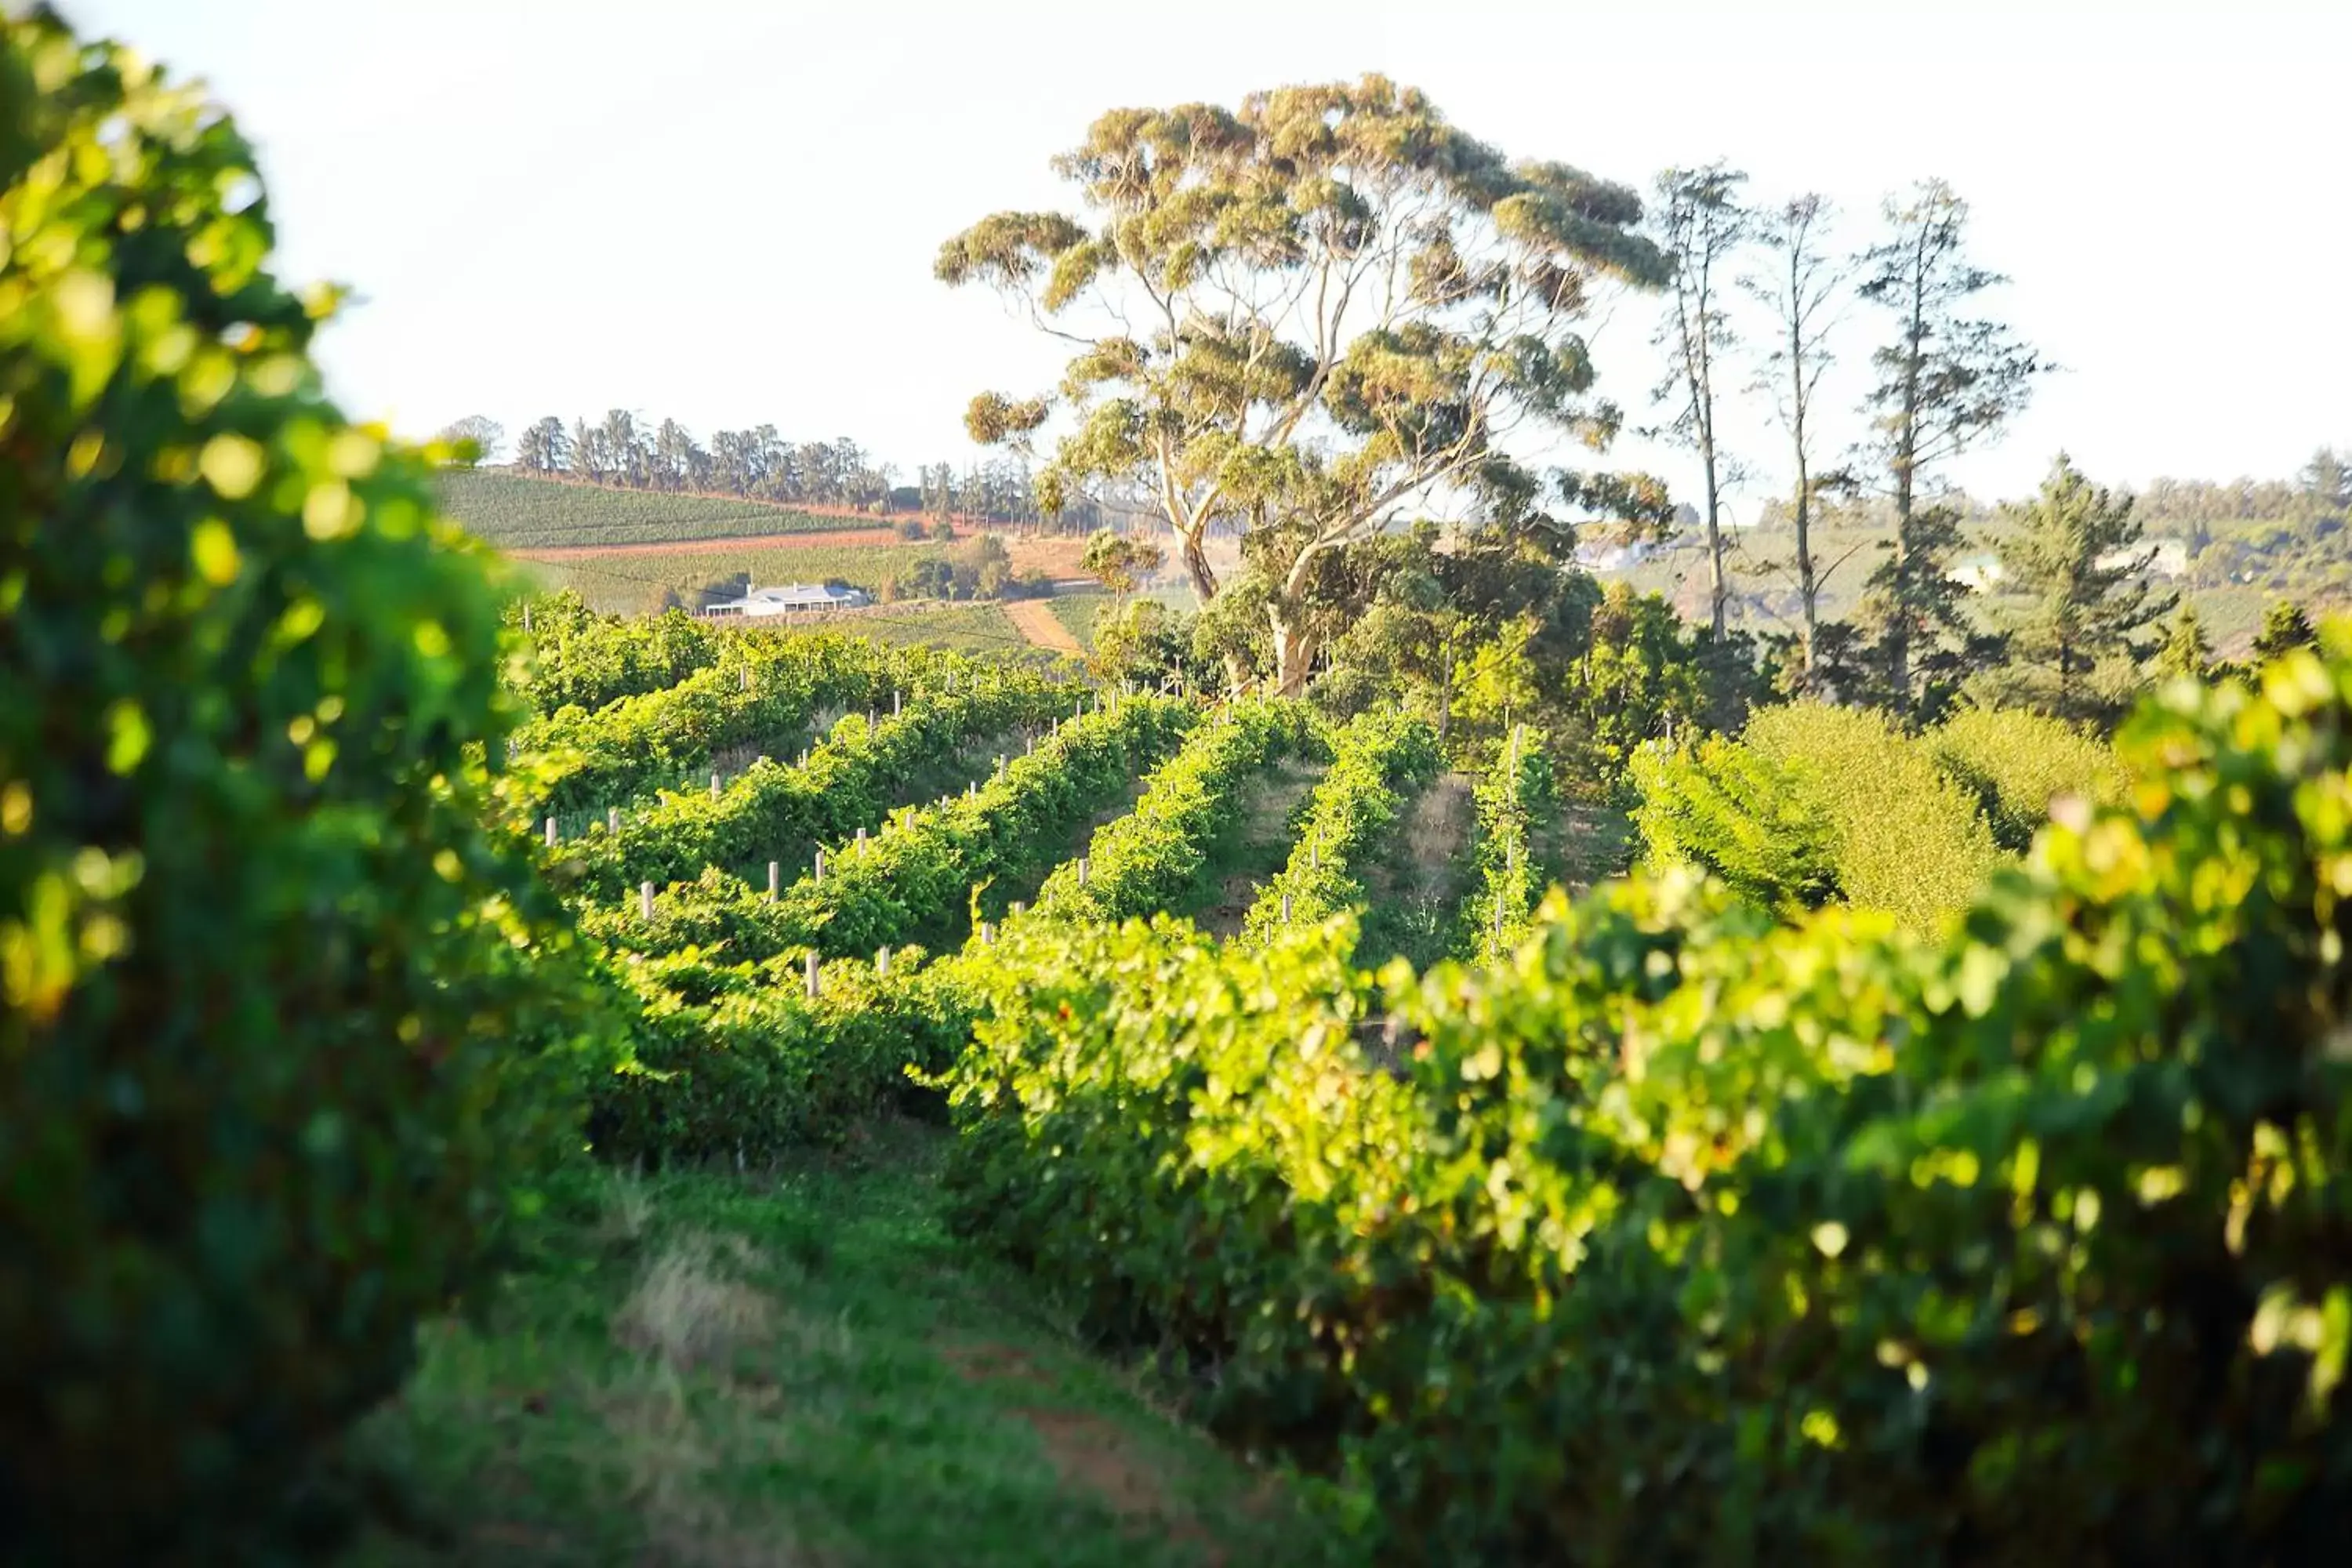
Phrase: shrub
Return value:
(1745, 820)
(275, 1043)
(2016, 763)
(1903, 837)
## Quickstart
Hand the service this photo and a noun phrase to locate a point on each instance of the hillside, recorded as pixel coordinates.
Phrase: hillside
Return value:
(517, 512)
(2230, 582)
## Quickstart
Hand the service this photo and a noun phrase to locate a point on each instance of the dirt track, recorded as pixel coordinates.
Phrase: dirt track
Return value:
(1037, 621)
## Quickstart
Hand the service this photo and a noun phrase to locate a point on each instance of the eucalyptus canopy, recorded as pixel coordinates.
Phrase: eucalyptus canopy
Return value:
(1302, 317)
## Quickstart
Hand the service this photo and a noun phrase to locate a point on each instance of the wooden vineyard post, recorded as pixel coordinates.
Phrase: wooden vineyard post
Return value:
(1285, 909)
(775, 879)
(810, 968)
(804, 762)
(860, 847)
(818, 874)
(895, 695)
(882, 963)
(1314, 852)
(1082, 870)
(714, 783)
(646, 900)
(551, 833)
(745, 684)
(1013, 910)
(526, 620)
(987, 934)
(612, 820)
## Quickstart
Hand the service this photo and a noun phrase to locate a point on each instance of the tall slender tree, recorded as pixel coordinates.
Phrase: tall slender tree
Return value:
(543, 447)
(1701, 226)
(1801, 287)
(673, 455)
(1947, 380)
(587, 450)
(2074, 557)
(1295, 318)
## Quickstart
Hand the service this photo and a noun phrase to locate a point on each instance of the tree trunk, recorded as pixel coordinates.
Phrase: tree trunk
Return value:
(1808, 587)
(1294, 652)
(1719, 590)
(1444, 691)
(1197, 567)
(1809, 592)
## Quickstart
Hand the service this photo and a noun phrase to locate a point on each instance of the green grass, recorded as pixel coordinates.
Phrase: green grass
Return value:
(797, 1366)
(1078, 612)
(517, 512)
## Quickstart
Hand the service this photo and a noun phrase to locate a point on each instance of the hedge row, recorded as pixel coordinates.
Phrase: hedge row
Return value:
(774, 810)
(702, 1090)
(575, 658)
(288, 1028)
(758, 690)
(1378, 759)
(908, 882)
(1156, 855)
(736, 1060)
(1506, 802)
(1693, 1237)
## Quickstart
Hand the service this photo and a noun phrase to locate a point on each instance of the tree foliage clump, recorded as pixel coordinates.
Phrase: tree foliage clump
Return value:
(1813, 802)
(1739, 816)
(2018, 763)
(1296, 317)
(285, 1022)
(2076, 646)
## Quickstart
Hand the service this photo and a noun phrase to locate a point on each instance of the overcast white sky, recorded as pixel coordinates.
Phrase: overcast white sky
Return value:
(726, 211)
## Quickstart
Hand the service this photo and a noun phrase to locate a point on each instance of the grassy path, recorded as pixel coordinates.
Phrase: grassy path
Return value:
(800, 1367)
(1414, 884)
(1258, 841)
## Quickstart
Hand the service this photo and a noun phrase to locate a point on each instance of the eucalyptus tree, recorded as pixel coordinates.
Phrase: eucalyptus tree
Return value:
(1298, 317)
(543, 447)
(676, 457)
(1802, 286)
(1701, 226)
(1947, 380)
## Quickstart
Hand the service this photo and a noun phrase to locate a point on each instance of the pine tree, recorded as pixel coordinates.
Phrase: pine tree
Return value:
(1946, 382)
(2186, 650)
(2074, 555)
(2285, 629)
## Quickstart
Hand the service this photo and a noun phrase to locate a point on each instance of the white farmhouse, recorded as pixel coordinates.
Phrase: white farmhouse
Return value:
(790, 599)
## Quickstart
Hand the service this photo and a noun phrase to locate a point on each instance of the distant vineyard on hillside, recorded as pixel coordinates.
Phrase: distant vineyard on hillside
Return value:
(517, 512)
(620, 584)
